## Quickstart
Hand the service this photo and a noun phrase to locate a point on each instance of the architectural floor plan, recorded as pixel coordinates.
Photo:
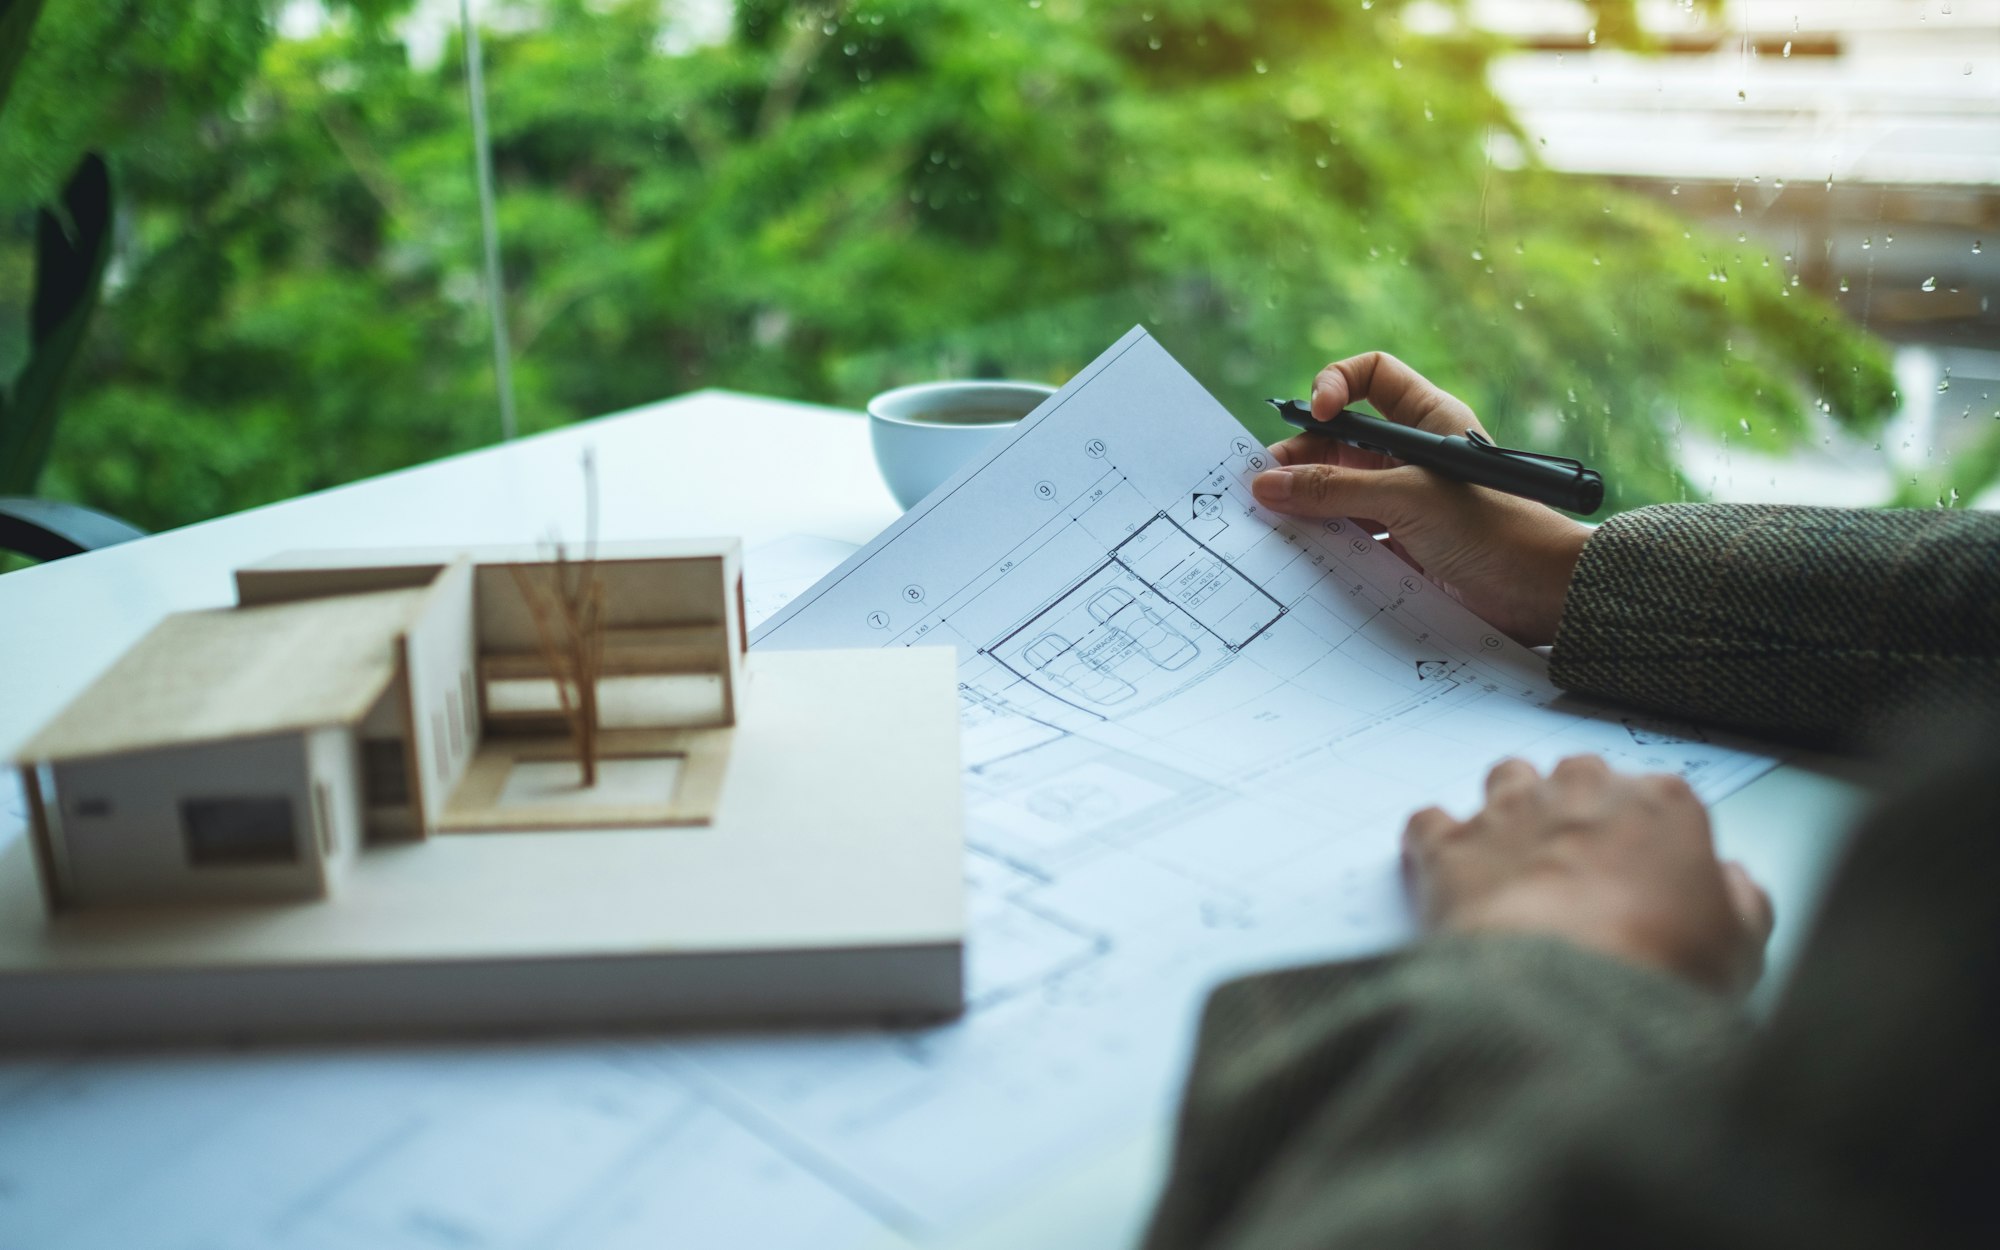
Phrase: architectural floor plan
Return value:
(1192, 732)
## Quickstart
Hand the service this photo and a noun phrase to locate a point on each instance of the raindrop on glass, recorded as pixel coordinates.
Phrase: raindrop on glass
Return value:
(1930, 284)
(1788, 47)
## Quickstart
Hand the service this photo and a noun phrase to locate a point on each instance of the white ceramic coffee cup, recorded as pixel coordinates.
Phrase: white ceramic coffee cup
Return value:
(925, 433)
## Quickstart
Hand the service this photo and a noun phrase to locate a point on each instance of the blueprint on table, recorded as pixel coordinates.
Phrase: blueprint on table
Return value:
(1192, 732)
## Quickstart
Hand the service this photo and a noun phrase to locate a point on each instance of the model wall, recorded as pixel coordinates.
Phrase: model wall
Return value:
(333, 760)
(440, 652)
(122, 822)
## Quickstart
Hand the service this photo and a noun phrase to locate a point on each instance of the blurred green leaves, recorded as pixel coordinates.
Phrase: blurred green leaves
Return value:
(843, 196)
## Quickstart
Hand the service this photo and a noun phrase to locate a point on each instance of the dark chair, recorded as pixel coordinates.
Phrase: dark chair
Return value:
(47, 529)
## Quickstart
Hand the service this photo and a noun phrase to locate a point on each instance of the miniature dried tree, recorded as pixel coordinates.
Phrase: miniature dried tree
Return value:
(568, 614)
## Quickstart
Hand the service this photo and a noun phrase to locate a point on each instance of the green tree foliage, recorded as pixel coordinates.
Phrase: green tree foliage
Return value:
(842, 196)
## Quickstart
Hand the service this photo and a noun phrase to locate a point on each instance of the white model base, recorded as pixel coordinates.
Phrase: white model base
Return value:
(829, 886)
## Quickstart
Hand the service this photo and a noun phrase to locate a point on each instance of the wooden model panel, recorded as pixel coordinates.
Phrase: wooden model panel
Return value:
(121, 823)
(256, 586)
(439, 654)
(638, 594)
(237, 673)
(703, 755)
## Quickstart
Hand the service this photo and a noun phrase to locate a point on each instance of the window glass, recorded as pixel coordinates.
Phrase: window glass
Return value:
(225, 832)
(1719, 248)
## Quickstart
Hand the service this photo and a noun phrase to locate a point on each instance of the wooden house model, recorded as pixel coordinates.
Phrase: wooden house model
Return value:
(364, 767)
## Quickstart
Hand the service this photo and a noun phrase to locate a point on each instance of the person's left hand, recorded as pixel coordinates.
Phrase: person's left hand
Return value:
(1619, 864)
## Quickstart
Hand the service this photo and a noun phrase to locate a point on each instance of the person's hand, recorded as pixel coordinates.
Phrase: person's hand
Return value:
(1619, 864)
(1507, 559)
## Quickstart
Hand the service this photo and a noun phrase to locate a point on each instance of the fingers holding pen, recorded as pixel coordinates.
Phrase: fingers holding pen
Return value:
(1392, 496)
(1397, 391)
(1319, 449)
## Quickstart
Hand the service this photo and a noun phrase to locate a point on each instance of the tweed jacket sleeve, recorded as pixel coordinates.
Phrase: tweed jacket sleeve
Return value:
(1812, 625)
(1408, 1100)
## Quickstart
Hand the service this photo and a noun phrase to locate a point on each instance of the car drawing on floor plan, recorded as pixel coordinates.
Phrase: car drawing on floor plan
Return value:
(1164, 645)
(1087, 674)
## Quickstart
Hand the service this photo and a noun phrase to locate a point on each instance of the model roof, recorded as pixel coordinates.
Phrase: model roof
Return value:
(239, 673)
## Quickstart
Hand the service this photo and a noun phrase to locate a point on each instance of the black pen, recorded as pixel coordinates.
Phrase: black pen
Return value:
(1469, 457)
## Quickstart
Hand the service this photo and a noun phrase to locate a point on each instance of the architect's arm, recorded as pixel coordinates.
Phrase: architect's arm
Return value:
(1411, 1100)
(1811, 624)
(1418, 1100)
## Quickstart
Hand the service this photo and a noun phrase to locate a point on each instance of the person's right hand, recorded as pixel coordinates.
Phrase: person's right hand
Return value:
(1507, 559)
(1619, 864)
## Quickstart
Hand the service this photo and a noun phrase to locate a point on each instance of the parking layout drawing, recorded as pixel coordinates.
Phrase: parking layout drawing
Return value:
(1191, 733)
(1140, 616)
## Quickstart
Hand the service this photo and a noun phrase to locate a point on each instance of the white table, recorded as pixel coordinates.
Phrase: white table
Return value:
(92, 1132)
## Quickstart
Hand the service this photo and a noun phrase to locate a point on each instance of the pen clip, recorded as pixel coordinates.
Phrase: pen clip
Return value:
(1486, 444)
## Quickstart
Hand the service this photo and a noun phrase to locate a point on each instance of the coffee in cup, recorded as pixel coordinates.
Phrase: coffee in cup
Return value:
(923, 434)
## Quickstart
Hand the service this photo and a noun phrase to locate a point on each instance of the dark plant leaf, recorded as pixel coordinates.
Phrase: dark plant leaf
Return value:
(70, 257)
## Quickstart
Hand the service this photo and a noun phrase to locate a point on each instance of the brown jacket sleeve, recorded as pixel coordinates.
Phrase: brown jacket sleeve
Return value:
(1410, 1100)
(1811, 625)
